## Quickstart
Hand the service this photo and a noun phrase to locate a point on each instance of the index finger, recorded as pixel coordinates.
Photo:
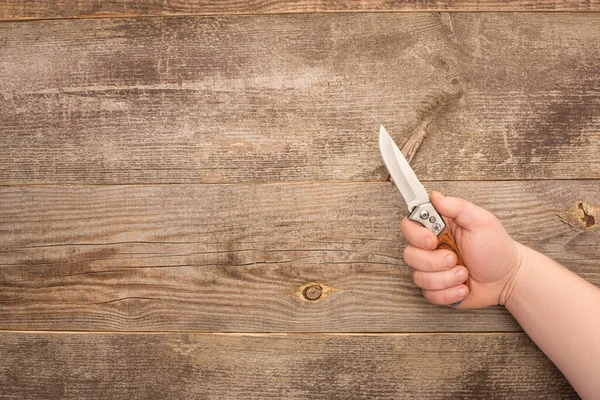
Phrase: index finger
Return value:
(418, 235)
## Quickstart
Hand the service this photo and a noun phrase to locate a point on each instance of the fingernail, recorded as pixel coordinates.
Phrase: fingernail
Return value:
(461, 275)
(450, 261)
(462, 292)
(427, 242)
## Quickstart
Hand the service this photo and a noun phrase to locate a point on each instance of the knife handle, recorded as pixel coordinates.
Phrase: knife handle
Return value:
(446, 241)
(426, 215)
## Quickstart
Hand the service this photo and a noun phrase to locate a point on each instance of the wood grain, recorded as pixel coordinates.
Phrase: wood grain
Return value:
(299, 97)
(40, 9)
(227, 258)
(142, 366)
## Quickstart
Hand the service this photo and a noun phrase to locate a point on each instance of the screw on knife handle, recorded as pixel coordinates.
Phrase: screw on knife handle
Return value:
(426, 215)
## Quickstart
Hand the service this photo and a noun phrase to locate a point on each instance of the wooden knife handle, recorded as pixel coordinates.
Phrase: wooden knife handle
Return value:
(446, 241)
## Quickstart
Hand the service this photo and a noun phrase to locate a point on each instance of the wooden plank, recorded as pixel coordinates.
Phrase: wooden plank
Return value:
(41, 9)
(227, 258)
(299, 97)
(156, 366)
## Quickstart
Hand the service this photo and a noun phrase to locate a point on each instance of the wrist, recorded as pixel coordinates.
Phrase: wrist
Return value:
(512, 289)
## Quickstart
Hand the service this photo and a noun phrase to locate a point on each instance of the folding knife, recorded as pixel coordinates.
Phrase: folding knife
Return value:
(416, 197)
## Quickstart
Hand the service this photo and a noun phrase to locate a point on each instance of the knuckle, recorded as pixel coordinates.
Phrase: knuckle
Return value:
(427, 295)
(417, 278)
(431, 296)
(436, 261)
(408, 229)
(409, 256)
(403, 226)
(446, 297)
(406, 254)
(433, 262)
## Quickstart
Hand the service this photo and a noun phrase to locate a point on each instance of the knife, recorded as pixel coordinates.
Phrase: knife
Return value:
(416, 197)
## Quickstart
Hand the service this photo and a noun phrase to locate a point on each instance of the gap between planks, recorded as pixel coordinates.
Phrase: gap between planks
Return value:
(233, 14)
(266, 334)
(289, 183)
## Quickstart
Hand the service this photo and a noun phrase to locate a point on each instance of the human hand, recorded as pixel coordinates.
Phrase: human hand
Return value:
(492, 259)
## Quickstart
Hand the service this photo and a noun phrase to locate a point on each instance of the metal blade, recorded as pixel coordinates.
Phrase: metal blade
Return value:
(405, 179)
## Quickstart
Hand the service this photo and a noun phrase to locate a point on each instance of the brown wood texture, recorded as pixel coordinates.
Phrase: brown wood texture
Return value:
(159, 366)
(227, 258)
(36, 9)
(446, 241)
(299, 97)
(191, 178)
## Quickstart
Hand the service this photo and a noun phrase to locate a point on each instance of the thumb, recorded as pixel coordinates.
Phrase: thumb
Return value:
(464, 213)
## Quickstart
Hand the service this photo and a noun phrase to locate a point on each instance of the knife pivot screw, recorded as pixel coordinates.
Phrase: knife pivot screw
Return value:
(432, 219)
(436, 228)
(424, 214)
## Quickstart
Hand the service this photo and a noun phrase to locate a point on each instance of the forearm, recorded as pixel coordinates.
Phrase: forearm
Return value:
(561, 313)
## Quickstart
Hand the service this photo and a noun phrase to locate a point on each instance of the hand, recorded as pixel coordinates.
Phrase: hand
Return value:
(492, 259)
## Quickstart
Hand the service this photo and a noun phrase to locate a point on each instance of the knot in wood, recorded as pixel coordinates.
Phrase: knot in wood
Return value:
(587, 218)
(312, 292)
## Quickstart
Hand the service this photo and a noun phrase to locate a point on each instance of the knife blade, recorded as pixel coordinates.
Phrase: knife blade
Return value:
(415, 195)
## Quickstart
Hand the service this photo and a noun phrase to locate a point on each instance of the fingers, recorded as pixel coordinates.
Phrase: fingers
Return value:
(440, 280)
(427, 260)
(435, 271)
(464, 213)
(447, 296)
(418, 235)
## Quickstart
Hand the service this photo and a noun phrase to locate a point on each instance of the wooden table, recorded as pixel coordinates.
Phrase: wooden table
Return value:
(193, 204)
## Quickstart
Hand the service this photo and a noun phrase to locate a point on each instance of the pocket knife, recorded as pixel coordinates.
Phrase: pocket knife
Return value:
(416, 197)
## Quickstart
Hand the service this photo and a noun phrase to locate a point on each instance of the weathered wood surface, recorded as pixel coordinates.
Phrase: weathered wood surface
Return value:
(236, 101)
(299, 97)
(232, 258)
(36, 9)
(157, 366)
